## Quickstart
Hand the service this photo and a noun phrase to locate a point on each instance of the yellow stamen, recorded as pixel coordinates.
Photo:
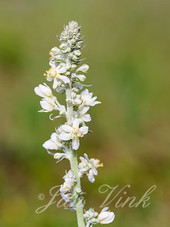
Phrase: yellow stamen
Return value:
(67, 187)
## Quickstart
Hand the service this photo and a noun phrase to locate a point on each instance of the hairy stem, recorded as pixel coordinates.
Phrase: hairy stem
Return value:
(74, 165)
(79, 204)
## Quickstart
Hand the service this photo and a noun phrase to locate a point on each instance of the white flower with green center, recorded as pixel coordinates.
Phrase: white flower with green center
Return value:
(73, 133)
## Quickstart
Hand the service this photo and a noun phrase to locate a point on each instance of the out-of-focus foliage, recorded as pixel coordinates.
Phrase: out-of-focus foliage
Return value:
(127, 48)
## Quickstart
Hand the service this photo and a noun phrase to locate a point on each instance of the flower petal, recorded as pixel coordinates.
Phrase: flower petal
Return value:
(55, 83)
(86, 118)
(65, 136)
(84, 130)
(50, 145)
(76, 123)
(61, 69)
(67, 128)
(75, 143)
(65, 79)
(46, 106)
(106, 217)
(38, 92)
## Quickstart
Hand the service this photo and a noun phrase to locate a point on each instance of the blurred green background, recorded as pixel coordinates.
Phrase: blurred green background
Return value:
(128, 50)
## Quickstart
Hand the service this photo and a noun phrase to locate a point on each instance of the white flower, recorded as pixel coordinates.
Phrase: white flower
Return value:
(75, 99)
(89, 167)
(105, 217)
(68, 184)
(65, 189)
(69, 175)
(87, 99)
(83, 68)
(55, 74)
(90, 216)
(43, 91)
(73, 132)
(48, 104)
(53, 143)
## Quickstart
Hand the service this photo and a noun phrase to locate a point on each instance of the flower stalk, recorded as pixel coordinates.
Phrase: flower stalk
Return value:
(67, 76)
(79, 202)
(74, 164)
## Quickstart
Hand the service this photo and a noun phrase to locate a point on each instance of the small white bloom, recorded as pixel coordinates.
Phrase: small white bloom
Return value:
(105, 217)
(75, 99)
(48, 104)
(53, 143)
(55, 74)
(87, 98)
(83, 68)
(89, 167)
(65, 189)
(43, 91)
(73, 132)
(69, 175)
(68, 184)
(90, 214)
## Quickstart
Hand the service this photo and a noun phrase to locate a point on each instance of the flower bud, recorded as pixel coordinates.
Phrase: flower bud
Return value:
(84, 68)
(55, 50)
(77, 52)
(59, 155)
(81, 77)
(63, 45)
(43, 91)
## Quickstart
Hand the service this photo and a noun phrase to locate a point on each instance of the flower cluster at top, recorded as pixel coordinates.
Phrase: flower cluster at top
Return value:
(67, 74)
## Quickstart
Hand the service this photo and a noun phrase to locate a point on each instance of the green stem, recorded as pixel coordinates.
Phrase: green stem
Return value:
(79, 204)
(74, 164)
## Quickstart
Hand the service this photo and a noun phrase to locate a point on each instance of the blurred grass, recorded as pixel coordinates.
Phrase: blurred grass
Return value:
(128, 53)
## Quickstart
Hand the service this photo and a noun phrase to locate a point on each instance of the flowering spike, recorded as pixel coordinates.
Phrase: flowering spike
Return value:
(67, 74)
